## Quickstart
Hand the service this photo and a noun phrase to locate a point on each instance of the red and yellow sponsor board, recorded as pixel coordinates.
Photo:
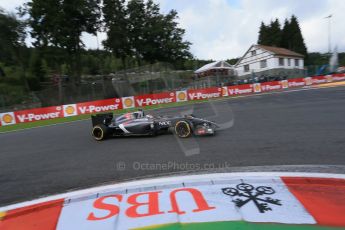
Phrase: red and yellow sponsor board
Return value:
(237, 90)
(271, 86)
(39, 114)
(99, 106)
(338, 77)
(155, 99)
(296, 82)
(319, 80)
(204, 94)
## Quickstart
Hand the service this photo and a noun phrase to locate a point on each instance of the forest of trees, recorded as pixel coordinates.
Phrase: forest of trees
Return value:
(289, 36)
(137, 34)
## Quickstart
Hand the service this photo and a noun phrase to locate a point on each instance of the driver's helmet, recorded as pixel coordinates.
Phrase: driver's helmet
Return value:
(149, 116)
(189, 116)
(139, 113)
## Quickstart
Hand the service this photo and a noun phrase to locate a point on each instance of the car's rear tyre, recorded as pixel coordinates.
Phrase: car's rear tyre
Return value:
(183, 129)
(100, 132)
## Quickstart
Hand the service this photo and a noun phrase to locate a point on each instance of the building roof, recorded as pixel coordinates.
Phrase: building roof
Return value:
(280, 51)
(214, 65)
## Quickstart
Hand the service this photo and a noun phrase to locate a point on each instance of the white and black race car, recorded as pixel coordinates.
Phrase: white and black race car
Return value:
(137, 123)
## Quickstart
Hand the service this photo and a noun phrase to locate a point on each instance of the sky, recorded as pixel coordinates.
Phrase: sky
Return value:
(224, 29)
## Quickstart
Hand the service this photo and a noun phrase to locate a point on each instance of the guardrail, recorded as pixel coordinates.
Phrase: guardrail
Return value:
(32, 115)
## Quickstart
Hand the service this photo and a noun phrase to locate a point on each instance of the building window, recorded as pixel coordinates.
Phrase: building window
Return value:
(253, 52)
(263, 63)
(289, 62)
(296, 62)
(246, 68)
(281, 61)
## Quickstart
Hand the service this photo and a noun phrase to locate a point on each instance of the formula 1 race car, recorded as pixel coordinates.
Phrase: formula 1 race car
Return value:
(137, 123)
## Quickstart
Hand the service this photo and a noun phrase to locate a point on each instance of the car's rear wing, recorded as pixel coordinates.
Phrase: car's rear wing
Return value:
(104, 118)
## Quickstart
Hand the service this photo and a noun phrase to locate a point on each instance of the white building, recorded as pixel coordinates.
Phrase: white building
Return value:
(214, 74)
(269, 61)
(215, 68)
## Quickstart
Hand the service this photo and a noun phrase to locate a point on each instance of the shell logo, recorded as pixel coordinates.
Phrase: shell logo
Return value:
(329, 78)
(181, 96)
(224, 91)
(257, 88)
(7, 118)
(70, 110)
(308, 81)
(128, 102)
(285, 84)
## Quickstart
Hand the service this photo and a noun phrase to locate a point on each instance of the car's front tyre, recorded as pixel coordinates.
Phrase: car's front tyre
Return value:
(183, 129)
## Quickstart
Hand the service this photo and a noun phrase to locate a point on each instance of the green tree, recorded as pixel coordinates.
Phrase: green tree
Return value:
(286, 35)
(290, 37)
(12, 45)
(271, 34)
(37, 67)
(173, 46)
(295, 37)
(141, 31)
(116, 27)
(152, 33)
(163, 39)
(137, 24)
(275, 33)
(61, 23)
(12, 36)
(263, 35)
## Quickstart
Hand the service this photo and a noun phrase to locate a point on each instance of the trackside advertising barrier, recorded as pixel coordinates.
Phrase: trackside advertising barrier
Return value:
(155, 99)
(207, 202)
(99, 106)
(23, 116)
(30, 115)
(270, 86)
(202, 94)
(338, 77)
(237, 90)
(296, 82)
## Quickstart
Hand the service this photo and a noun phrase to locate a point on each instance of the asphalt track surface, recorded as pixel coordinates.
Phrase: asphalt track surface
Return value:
(291, 128)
